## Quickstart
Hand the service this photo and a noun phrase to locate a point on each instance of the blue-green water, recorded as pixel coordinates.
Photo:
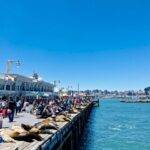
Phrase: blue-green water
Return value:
(117, 126)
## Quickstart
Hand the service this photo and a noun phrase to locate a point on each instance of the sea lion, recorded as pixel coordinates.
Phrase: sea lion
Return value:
(26, 127)
(20, 134)
(35, 136)
(37, 131)
(6, 138)
(18, 129)
(47, 131)
(73, 111)
(27, 137)
(11, 133)
(16, 135)
(40, 127)
(62, 118)
(50, 120)
(46, 125)
(23, 137)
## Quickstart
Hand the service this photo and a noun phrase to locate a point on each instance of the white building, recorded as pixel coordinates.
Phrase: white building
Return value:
(17, 85)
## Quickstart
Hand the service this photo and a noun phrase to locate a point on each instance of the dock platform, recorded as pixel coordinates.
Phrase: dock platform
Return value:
(66, 138)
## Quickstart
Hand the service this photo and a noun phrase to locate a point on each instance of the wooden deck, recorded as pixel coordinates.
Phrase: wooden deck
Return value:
(20, 145)
(48, 141)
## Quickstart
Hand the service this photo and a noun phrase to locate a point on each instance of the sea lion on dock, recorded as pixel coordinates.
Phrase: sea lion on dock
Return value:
(31, 129)
(28, 137)
(20, 134)
(73, 111)
(40, 127)
(23, 137)
(46, 125)
(26, 127)
(6, 138)
(50, 120)
(9, 132)
(37, 131)
(62, 118)
(16, 135)
(18, 129)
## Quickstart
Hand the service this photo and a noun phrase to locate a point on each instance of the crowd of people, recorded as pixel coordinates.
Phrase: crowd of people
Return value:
(42, 108)
(9, 107)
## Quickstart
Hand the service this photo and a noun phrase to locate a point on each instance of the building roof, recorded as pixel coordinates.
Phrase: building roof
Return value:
(18, 77)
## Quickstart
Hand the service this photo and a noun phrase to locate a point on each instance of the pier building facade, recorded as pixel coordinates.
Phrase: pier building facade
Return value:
(16, 85)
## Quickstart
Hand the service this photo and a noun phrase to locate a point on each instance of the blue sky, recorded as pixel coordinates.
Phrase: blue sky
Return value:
(99, 44)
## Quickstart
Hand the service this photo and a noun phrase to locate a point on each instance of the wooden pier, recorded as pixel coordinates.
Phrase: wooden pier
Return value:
(66, 138)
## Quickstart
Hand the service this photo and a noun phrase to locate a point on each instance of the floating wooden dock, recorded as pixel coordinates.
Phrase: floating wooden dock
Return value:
(66, 138)
(135, 100)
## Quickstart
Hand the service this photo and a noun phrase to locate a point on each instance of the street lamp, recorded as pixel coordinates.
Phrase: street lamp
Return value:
(9, 64)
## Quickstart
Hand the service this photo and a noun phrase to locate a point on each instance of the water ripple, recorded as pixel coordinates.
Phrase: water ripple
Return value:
(117, 126)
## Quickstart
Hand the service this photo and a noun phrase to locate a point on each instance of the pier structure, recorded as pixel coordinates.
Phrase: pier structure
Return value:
(66, 138)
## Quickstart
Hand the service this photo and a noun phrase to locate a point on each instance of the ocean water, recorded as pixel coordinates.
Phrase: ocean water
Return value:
(117, 126)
